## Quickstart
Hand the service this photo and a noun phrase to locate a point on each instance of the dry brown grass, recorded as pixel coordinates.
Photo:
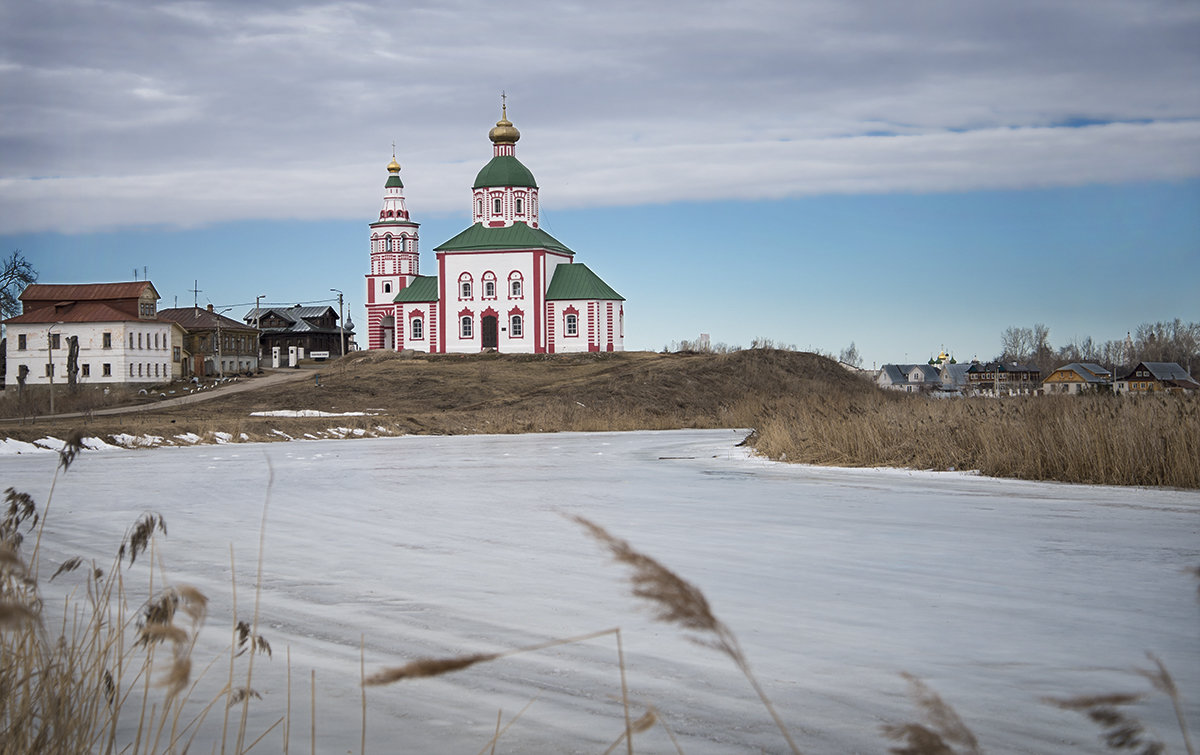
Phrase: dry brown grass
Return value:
(1109, 440)
(67, 687)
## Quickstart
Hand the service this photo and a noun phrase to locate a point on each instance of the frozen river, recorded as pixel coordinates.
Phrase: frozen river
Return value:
(996, 593)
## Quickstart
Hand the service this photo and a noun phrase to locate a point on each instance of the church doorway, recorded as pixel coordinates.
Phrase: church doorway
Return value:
(387, 328)
(489, 338)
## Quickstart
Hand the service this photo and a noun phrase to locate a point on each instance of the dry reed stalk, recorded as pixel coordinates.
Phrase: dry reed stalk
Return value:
(426, 667)
(945, 728)
(644, 723)
(677, 601)
(1120, 730)
(500, 732)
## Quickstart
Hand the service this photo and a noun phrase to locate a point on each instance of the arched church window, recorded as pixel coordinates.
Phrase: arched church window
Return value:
(516, 326)
(464, 286)
(418, 328)
(466, 326)
(520, 210)
(496, 206)
(387, 244)
(479, 206)
(515, 287)
(572, 325)
(387, 287)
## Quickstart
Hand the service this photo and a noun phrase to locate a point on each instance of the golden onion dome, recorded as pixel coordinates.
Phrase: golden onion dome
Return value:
(393, 166)
(504, 132)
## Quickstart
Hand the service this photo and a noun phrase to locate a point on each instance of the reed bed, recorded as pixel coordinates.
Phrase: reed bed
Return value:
(1108, 440)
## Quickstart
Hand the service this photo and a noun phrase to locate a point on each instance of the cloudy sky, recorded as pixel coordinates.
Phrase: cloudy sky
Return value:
(904, 175)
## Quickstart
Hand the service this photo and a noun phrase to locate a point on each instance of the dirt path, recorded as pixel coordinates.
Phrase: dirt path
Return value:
(275, 377)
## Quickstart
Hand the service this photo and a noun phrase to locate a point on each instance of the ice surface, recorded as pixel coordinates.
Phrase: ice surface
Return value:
(996, 593)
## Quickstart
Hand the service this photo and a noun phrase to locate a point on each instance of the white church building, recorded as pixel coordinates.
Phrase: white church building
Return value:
(503, 284)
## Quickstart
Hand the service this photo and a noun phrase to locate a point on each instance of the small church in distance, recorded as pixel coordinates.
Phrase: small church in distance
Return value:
(503, 284)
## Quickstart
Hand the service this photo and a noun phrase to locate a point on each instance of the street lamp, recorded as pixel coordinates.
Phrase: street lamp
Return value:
(341, 328)
(50, 361)
(258, 336)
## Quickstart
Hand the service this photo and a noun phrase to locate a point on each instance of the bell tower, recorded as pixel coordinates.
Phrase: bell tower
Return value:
(394, 260)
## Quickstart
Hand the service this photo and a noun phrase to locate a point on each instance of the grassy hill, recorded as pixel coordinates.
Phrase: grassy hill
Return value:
(802, 407)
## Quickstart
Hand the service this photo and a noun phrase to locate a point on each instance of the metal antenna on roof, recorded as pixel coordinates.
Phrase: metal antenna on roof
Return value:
(196, 294)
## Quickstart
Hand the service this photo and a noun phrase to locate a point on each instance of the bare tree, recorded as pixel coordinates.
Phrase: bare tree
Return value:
(850, 356)
(15, 274)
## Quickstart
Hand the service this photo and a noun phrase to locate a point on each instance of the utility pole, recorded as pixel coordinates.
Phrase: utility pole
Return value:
(341, 328)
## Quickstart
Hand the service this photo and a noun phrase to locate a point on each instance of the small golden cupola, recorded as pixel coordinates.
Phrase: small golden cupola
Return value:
(393, 166)
(504, 132)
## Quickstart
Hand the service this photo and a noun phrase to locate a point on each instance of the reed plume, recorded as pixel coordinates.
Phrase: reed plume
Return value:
(674, 600)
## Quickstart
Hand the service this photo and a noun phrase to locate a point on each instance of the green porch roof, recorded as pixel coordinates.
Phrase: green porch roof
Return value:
(504, 170)
(575, 281)
(423, 288)
(515, 236)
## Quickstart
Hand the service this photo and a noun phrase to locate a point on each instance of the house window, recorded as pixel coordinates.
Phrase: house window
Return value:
(572, 325)
(146, 309)
(49, 369)
(175, 355)
(516, 326)
(21, 342)
(131, 340)
(496, 206)
(85, 370)
(107, 340)
(139, 369)
(520, 210)
(131, 370)
(139, 340)
(106, 369)
(418, 329)
(55, 341)
(466, 326)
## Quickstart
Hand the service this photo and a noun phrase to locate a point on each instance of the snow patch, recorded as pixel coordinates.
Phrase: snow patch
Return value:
(137, 441)
(308, 413)
(188, 437)
(11, 447)
(220, 437)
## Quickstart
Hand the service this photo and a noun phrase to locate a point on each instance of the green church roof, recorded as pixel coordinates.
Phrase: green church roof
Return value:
(423, 288)
(515, 236)
(575, 281)
(393, 182)
(504, 170)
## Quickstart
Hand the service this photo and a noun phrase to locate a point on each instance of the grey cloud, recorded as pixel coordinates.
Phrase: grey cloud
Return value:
(124, 94)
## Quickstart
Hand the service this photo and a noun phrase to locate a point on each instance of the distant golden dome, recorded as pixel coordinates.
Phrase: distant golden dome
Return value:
(504, 132)
(393, 166)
